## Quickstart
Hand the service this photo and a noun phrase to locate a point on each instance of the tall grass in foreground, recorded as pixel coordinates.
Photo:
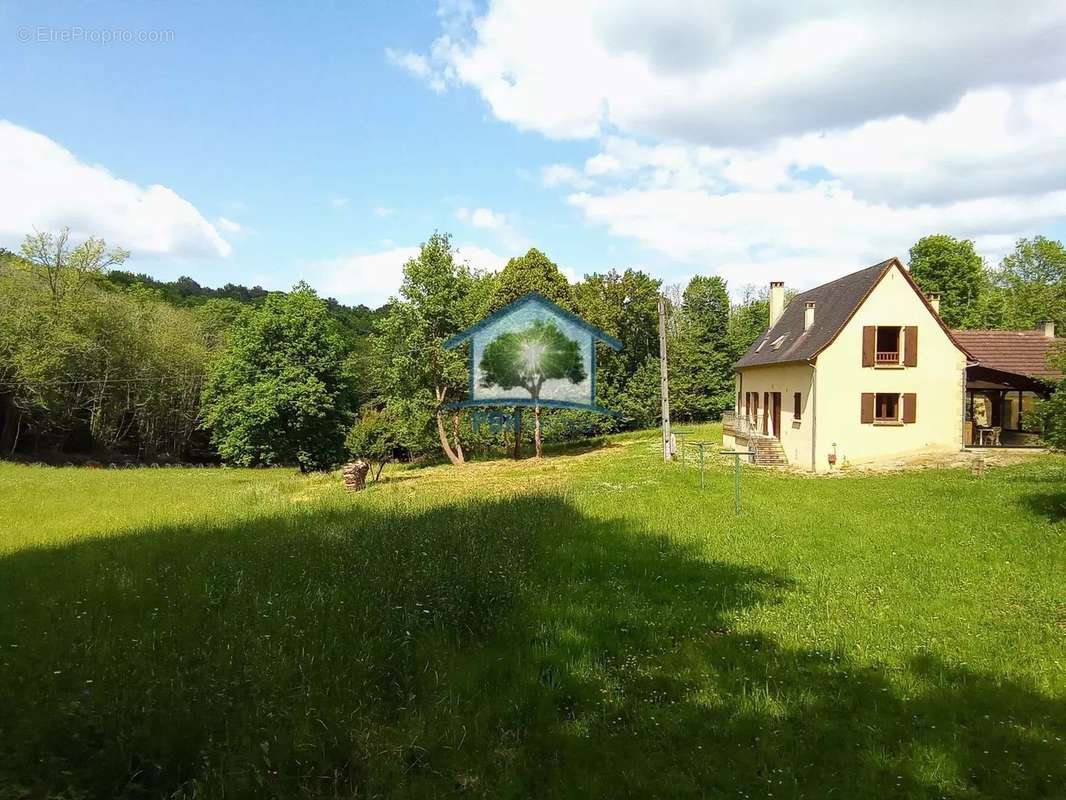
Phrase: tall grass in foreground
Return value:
(591, 625)
(274, 652)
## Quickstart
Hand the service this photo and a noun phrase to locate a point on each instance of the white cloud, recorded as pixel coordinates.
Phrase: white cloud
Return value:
(731, 72)
(767, 140)
(563, 175)
(602, 164)
(988, 168)
(228, 225)
(486, 218)
(480, 258)
(369, 278)
(384, 211)
(570, 273)
(412, 62)
(46, 187)
(372, 278)
(502, 225)
(339, 201)
(418, 66)
(992, 142)
(805, 235)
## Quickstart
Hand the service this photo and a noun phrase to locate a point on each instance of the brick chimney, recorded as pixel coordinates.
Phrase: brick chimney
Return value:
(1047, 327)
(808, 315)
(777, 301)
(934, 301)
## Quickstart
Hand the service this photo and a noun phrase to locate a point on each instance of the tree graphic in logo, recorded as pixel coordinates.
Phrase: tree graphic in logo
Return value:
(530, 357)
(527, 358)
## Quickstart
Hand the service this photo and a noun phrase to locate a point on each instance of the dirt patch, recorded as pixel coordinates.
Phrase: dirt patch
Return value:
(973, 459)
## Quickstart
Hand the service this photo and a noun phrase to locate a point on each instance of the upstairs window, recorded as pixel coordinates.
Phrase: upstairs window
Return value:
(888, 349)
(889, 346)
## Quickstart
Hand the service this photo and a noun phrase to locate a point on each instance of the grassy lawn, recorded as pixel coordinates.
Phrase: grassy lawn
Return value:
(590, 625)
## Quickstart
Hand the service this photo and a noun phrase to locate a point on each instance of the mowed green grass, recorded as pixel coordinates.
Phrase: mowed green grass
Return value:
(590, 625)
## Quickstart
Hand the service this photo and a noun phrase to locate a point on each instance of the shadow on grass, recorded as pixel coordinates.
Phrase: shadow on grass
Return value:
(1051, 505)
(495, 649)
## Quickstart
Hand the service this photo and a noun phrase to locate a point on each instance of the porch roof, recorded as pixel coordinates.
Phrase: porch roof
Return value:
(1022, 353)
(981, 377)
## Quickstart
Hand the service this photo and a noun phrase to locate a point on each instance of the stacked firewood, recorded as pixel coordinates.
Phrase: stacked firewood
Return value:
(355, 475)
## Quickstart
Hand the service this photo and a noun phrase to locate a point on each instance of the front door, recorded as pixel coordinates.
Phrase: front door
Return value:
(777, 415)
(765, 413)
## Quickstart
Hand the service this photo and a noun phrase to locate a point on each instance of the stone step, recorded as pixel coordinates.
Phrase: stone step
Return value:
(768, 452)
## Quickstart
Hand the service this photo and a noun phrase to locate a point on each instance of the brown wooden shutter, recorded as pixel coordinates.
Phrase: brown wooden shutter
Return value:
(867, 408)
(796, 410)
(869, 343)
(910, 407)
(910, 346)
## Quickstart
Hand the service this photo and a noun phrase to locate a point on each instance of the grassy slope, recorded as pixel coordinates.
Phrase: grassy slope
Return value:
(592, 625)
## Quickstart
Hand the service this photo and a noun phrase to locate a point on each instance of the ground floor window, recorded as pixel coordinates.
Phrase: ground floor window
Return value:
(886, 407)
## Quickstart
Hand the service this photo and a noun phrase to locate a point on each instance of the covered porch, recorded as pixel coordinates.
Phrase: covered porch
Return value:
(998, 406)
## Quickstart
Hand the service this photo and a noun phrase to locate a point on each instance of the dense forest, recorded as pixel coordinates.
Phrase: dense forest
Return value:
(98, 362)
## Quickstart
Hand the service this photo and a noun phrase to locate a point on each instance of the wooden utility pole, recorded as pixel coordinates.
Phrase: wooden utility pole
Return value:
(664, 381)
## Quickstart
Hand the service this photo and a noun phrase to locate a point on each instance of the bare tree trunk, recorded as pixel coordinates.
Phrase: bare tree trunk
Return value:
(455, 435)
(444, 443)
(518, 433)
(536, 428)
(455, 458)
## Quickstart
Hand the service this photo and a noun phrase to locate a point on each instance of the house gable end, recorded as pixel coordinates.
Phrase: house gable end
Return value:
(894, 264)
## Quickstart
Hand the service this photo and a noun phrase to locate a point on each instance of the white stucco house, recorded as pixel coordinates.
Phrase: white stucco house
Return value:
(863, 368)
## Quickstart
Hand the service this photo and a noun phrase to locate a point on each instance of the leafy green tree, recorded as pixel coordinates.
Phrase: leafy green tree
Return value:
(533, 272)
(65, 267)
(277, 393)
(1032, 279)
(438, 298)
(85, 368)
(1050, 414)
(641, 403)
(952, 268)
(748, 319)
(217, 316)
(625, 305)
(530, 357)
(378, 437)
(701, 355)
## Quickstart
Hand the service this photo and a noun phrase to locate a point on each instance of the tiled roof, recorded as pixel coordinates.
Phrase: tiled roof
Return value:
(1020, 352)
(835, 302)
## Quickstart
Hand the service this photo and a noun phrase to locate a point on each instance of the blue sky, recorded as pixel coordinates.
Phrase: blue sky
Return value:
(325, 142)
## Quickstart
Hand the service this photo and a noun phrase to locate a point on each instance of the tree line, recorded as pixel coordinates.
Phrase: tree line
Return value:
(1028, 285)
(95, 359)
(98, 361)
